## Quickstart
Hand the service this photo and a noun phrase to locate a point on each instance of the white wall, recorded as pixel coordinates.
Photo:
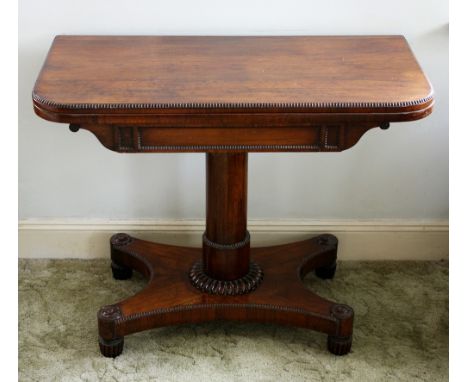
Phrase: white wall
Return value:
(401, 173)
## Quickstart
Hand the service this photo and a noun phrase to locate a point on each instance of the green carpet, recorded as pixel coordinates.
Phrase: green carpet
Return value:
(401, 330)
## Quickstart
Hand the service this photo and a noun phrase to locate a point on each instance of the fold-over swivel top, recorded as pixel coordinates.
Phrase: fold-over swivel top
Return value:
(228, 96)
(231, 82)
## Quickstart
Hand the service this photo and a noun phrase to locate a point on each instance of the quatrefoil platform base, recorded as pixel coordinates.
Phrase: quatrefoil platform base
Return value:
(171, 296)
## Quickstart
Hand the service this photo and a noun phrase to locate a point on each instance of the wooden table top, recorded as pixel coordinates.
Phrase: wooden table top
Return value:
(115, 75)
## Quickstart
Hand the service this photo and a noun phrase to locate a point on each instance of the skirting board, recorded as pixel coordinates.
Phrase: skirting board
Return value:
(358, 240)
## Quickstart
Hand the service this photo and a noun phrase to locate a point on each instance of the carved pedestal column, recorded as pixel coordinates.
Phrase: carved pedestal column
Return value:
(226, 267)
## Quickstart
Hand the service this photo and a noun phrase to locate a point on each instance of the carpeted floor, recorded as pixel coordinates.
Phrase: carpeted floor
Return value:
(401, 330)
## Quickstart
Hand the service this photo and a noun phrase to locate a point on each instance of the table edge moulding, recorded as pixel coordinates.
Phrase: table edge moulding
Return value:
(227, 96)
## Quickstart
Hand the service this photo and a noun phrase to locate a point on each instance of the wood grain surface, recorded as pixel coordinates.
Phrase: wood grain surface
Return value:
(228, 96)
(157, 74)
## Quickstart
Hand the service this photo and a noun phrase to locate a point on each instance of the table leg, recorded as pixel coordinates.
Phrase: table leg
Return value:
(226, 279)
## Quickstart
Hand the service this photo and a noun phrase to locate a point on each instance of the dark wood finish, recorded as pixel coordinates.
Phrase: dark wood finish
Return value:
(310, 137)
(226, 197)
(226, 287)
(227, 96)
(226, 243)
(111, 75)
(170, 299)
(218, 94)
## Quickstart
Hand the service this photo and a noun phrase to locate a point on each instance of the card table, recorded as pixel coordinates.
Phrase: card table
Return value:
(225, 97)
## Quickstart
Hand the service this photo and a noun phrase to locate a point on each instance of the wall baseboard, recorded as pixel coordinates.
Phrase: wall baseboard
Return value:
(359, 240)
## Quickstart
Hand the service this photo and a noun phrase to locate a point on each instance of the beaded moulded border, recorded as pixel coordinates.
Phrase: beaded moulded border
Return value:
(231, 105)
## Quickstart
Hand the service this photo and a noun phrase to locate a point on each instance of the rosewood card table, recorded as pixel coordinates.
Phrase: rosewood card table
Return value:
(226, 97)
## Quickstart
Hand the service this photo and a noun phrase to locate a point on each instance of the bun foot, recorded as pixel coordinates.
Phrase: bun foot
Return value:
(339, 345)
(111, 348)
(327, 272)
(121, 273)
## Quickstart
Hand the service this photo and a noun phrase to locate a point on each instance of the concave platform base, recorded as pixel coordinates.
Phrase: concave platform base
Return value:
(170, 298)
